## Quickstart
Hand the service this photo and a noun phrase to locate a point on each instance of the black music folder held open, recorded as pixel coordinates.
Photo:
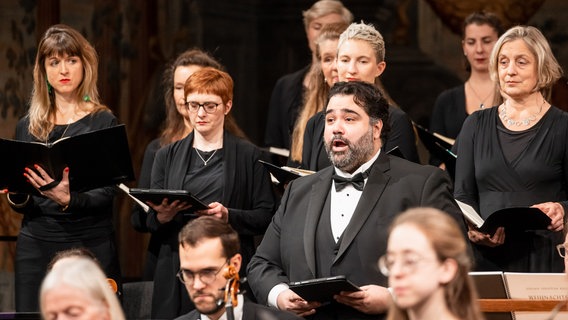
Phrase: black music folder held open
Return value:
(156, 196)
(284, 174)
(95, 159)
(437, 145)
(322, 289)
(512, 219)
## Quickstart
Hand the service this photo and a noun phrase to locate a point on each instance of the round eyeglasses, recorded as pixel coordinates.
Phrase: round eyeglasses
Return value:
(209, 107)
(408, 263)
(206, 276)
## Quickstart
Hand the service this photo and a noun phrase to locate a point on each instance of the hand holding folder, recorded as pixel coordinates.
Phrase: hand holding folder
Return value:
(95, 159)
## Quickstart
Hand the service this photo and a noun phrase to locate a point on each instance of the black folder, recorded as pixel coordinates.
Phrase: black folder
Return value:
(516, 219)
(395, 151)
(322, 289)
(513, 219)
(436, 146)
(284, 174)
(95, 159)
(156, 196)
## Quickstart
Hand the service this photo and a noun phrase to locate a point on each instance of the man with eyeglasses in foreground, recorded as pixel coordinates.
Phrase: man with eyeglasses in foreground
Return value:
(328, 227)
(208, 251)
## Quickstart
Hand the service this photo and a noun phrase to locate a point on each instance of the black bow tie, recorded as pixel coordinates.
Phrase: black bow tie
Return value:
(358, 181)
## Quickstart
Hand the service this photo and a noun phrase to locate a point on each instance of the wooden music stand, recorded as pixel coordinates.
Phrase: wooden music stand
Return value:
(509, 305)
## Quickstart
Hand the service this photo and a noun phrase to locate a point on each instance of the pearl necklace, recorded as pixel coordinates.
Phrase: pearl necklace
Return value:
(522, 122)
(208, 159)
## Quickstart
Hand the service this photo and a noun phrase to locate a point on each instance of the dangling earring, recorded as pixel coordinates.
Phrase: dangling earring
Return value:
(86, 98)
(49, 87)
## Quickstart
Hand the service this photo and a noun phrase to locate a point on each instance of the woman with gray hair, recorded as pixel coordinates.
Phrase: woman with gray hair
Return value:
(515, 155)
(77, 287)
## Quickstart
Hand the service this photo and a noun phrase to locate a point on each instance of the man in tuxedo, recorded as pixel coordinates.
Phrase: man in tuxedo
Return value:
(208, 251)
(335, 222)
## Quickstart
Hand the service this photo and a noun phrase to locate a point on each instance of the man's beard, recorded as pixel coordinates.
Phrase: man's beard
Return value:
(357, 152)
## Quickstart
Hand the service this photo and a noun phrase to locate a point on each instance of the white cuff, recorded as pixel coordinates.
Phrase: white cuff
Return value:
(274, 293)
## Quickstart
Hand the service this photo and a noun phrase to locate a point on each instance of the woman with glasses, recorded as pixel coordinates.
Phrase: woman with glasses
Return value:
(427, 265)
(220, 169)
(176, 127)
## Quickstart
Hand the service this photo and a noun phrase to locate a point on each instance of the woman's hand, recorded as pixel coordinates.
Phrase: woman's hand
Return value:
(555, 211)
(217, 210)
(481, 238)
(59, 192)
(372, 299)
(166, 211)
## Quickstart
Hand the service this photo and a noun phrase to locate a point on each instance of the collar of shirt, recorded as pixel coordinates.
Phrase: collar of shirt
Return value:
(237, 311)
(344, 202)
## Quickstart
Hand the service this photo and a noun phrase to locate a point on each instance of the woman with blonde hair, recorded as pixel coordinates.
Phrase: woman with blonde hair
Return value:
(361, 57)
(290, 90)
(65, 102)
(428, 266)
(515, 155)
(323, 75)
(78, 287)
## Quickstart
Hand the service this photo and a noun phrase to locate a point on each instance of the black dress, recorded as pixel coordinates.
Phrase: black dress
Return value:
(246, 191)
(486, 180)
(285, 102)
(138, 216)
(448, 115)
(46, 229)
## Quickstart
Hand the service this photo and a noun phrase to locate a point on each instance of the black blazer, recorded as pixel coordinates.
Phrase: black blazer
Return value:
(401, 135)
(285, 101)
(247, 194)
(288, 250)
(251, 311)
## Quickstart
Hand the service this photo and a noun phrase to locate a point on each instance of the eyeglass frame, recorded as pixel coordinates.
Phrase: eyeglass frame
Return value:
(181, 278)
(559, 248)
(208, 109)
(408, 268)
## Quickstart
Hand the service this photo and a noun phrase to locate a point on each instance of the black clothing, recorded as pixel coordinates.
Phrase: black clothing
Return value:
(286, 101)
(448, 115)
(86, 222)
(247, 193)
(488, 182)
(251, 311)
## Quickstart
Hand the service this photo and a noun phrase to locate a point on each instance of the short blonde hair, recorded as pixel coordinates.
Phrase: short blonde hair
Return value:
(323, 8)
(367, 33)
(548, 69)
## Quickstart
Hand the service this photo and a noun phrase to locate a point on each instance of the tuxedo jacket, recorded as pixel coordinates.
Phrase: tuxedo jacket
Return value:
(247, 194)
(251, 311)
(401, 135)
(288, 250)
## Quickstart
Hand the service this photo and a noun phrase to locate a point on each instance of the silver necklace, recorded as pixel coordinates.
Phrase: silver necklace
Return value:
(62, 135)
(521, 122)
(482, 104)
(208, 159)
